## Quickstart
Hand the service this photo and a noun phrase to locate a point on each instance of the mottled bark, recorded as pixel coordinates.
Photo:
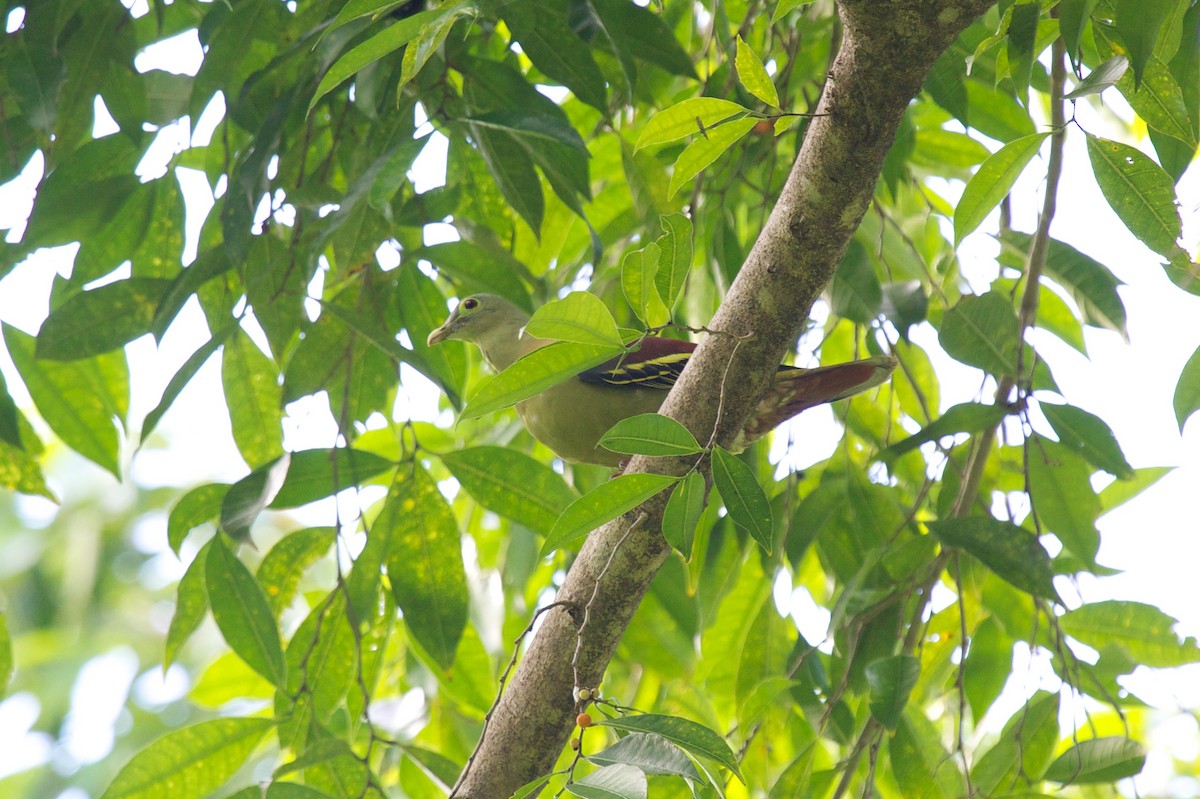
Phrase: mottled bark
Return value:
(886, 51)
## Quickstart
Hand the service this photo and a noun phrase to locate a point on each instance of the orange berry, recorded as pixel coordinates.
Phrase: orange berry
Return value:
(583, 720)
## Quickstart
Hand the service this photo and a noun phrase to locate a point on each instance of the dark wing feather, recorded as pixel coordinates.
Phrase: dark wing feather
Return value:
(656, 364)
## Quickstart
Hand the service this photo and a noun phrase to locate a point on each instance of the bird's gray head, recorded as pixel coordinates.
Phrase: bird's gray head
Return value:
(478, 317)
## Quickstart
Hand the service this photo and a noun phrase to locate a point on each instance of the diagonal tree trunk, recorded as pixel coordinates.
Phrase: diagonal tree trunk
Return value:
(887, 50)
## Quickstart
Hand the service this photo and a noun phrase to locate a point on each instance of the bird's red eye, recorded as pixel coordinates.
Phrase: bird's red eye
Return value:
(470, 303)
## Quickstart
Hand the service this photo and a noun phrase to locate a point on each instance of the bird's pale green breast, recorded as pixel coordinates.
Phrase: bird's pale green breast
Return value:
(571, 417)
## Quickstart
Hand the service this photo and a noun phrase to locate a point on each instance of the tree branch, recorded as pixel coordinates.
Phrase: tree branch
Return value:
(886, 51)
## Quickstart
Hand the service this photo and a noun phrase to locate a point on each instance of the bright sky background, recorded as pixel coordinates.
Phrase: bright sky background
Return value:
(1153, 538)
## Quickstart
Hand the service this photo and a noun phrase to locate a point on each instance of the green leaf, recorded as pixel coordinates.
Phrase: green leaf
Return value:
(967, 417)
(424, 562)
(580, 317)
(982, 331)
(675, 258)
(243, 615)
(191, 603)
(683, 512)
(1138, 22)
(1061, 490)
(1102, 77)
(653, 754)
(638, 32)
(512, 484)
(611, 782)
(1073, 16)
(1139, 191)
(743, 496)
(387, 41)
(1090, 283)
(1020, 44)
(994, 179)
(1119, 492)
(686, 118)
(987, 665)
(433, 35)
(100, 320)
(534, 373)
(80, 400)
(250, 496)
(1146, 633)
(1187, 391)
(280, 571)
(650, 434)
(639, 273)
(1098, 760)
(1088, 436)
(689, 736)
(201, 504)
(254, 399)
(1154, 94)
(855, 292)
(891, 680)
(602, 504)
(314, 474)
(475, 268)
(922, 766)
(193, 761)
(547, 39)
(753, 75)
(705, 149)
(532, 124)
(1025, 747)
(1014, 554)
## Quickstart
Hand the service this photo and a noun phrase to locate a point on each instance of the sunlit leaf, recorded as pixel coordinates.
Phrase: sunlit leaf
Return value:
(650, 434)
(689, 736)
(620, 781)
(1098, 760)
(1089, 436)
(602, 504)
(424, 561)
(80, 400)
(314, 474)
(280, 571)
(1144, 631)
(100, 320)
(675, 257)
(754, 76)
(639, 272)
(243, 615)
(1102, 77)
(705, 149)
(653, 754)
(994, 179)
(534, 373)
(192, 761)
(1187, 391)
(1139, 191)
(254, 399)
(982, 331)
(686, 118)
(892, 680)
(1011, 552)
(389, 40)
(743, 497)
(683, 512)
(191, 603)
(512, 484)
(580, 317)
